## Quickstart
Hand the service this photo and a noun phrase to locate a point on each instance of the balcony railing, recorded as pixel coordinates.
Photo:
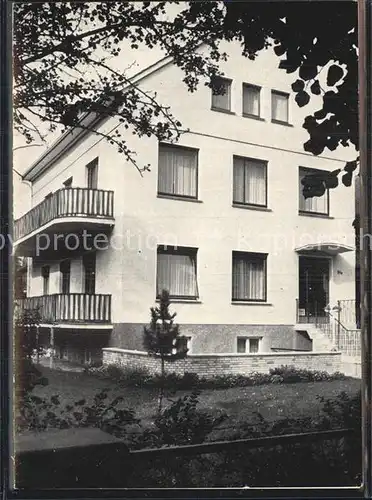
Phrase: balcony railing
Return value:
(70, 308)
(66, 202)
(339, 324)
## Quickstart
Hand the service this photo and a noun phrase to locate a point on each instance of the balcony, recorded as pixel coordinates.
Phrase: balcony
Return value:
(68, 210)
(70, 309)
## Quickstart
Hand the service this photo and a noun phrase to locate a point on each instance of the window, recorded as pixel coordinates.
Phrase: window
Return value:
(249, 181)
(68, 183)
(251, 100)
(279, 106)
(249, 277)
(183, 342)
(45, 272)
(92, 174)
(65, 270)
(89, 265)
(221, 97)
(248, 345)
(178, 169)
(317, 204)
(176, 272)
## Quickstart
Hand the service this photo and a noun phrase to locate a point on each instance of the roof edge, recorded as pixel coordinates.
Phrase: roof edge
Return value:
(73, 135)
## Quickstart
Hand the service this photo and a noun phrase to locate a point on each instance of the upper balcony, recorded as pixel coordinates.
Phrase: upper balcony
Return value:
(66, 211)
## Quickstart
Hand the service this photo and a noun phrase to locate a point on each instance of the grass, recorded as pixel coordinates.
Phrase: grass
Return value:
(273, 401)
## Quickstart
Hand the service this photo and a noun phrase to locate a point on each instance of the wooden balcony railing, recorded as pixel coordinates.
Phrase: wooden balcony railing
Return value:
(70, 308)
(66, 202)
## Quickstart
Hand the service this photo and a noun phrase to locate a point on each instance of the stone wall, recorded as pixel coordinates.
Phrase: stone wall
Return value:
(210, 365)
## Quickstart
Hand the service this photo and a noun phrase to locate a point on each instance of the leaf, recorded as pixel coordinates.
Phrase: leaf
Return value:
(302, 98)
(55, 400)
(331, 182)
(350, 166)
(81, 402)
(315, 88)
(335, 73)
(347, 179)
(279, 50)
(298, 85)
(308, 72)
(320, 114)
(288, 66)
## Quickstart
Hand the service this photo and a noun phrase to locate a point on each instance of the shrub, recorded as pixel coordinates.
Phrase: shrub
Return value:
(183, 423)
(39, 414)
(141, 377)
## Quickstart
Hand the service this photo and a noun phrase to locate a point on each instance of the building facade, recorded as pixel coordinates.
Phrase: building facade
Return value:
(220, 221)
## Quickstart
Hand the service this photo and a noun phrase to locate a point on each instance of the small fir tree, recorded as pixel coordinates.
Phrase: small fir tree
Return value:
(162, 338)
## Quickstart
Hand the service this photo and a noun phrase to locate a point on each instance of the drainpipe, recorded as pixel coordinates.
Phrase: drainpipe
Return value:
(365, 144)
(51, 359)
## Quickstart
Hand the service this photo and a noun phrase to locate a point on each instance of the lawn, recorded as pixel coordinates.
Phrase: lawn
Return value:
(273, 401)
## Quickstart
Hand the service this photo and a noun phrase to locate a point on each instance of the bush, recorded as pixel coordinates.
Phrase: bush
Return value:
(327, 463)
(141, 377)
(40, 414)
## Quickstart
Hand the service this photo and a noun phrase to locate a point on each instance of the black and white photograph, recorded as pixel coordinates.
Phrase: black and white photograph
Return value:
(186, 245)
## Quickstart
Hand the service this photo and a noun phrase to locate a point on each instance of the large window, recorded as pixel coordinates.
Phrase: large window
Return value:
(178, 171)
(249, 277)
(221, 97)
(315, 205)
(279, 107)
(65, 270)
(249, 181)
(176, 272)
(248, 345)
(251, 100)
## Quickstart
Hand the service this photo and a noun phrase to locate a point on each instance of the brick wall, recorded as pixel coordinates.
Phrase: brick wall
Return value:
(209, 365)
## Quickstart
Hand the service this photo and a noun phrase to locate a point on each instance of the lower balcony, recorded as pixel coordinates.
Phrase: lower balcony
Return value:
(71, 309)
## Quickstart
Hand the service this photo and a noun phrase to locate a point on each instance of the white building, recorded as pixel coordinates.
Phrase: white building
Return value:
(220, 221)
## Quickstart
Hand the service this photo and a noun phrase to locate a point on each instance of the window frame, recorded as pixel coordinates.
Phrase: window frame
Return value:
(248, 341)
(87, 259)
(67, 184)
(90, 167)
(327, 193)
(178, 250)
(223, 110)
(176, 195)
(255, 255)
(253, 87)
(248, 204)
(65, 265)
(45, 274)
(283, 94)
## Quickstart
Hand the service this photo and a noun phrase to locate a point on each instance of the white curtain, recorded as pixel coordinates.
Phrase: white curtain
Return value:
(251, 100)
(249, 182)
(280, 107)
(317, 204)
(222, 101)
(177, 171)
(248, 279)
(177, 274)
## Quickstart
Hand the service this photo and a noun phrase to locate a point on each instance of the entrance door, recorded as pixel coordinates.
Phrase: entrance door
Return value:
(313, 288)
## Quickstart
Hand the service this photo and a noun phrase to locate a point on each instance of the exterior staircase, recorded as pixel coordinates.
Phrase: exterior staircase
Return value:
(321, 342)
(337, 331)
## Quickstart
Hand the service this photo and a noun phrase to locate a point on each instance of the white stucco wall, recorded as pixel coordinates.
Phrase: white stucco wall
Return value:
(127, 270)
